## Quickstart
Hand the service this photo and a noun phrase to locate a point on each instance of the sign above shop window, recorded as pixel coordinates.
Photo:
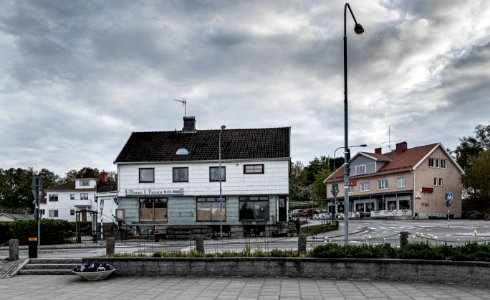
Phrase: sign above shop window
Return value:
(142, 192)
(427, 190)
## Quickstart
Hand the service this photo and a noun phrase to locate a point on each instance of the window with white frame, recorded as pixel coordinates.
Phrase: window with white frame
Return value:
(382, 184)
(53, 198)
(360, 169)
(72, 196)
(84, 182)
(443, 163)
(365, 186)
(53, 213)
(180, 174)
(438, 181)
(400, 182)
(83, 196)
(147, 175)
(72, 212)
(431, 162)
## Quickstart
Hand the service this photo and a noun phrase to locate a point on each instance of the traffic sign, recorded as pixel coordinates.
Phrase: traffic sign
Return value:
(449, 196)
(335, 189)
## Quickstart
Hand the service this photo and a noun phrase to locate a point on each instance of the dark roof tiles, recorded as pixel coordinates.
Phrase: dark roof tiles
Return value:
(263, 143)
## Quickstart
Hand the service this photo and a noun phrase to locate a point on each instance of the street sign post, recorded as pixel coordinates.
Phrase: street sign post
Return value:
(335, 191)
(449, 200)
(37, 187)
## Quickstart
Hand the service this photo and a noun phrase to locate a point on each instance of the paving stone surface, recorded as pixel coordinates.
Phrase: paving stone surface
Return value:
(180, 288)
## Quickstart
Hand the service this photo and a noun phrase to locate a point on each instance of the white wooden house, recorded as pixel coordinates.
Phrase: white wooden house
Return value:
(63, 201)
(171, 179)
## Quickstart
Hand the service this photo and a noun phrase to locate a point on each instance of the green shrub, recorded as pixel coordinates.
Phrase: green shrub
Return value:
(4, 232)
(52, 231)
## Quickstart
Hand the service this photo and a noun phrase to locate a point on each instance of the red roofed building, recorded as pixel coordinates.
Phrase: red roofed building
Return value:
(404, 183)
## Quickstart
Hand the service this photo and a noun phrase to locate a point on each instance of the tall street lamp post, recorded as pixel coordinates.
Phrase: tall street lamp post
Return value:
(220, 190)
(358, 30)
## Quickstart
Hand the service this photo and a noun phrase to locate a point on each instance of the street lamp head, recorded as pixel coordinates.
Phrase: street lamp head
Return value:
(358, 29)
(223, 127)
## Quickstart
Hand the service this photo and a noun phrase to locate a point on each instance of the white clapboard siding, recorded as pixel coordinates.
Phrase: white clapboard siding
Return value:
(274, 180)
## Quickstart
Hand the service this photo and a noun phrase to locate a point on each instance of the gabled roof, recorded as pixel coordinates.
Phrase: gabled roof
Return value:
(202, 145)
(69, 186)
(404, 160)
(14, 217)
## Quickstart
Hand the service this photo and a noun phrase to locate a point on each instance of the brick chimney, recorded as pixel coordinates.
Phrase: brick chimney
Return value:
(377, 150)
(104, 176)
(401, 147)
(189, 124)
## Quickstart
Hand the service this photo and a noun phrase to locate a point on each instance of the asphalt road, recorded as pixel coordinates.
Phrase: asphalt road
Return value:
(360, 231)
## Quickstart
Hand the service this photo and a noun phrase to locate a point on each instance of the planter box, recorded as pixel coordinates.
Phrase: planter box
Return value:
(445, 272)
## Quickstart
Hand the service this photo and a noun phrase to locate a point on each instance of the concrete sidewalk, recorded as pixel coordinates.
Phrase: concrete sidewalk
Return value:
(120, 288)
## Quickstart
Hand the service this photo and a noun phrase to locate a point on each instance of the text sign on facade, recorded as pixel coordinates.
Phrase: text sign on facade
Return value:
(352, 183)
(147, 192)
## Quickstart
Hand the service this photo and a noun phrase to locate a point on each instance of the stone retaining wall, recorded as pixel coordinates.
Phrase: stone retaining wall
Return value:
(446, 272)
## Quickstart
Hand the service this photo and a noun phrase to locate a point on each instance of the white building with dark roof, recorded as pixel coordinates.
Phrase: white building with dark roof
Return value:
(63, 201)
(170, 180)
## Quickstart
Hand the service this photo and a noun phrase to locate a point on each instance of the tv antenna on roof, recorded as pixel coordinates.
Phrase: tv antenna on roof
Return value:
(389, 139)
(184, 102)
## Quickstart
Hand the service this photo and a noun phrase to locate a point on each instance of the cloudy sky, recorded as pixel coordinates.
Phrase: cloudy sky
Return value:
(77, 77)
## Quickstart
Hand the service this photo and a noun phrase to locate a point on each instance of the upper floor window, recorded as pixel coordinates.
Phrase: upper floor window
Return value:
(365, 186)
(216, 175)
(84, 196)
(53, 198)
(400, 182)
(438, 163)
(253, 169)
(147, 175)
(84, 182)
(382, 184)
(180, 174)
(437, 181)
(361, 169)
(431, 162)
(443, 163)
(72, 196)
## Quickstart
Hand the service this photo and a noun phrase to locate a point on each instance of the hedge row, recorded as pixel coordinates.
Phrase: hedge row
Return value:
(466, 252)
(52, 231)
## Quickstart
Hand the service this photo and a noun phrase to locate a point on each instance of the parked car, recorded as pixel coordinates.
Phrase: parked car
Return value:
(296, 213)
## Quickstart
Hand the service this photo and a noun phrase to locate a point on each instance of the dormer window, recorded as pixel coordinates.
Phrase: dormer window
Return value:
(361, 169)
(182, 151)
(84, 182)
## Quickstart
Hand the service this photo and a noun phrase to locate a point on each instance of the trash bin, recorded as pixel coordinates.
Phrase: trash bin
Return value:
(32, 242)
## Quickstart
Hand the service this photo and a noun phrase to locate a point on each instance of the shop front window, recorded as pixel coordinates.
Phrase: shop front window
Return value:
(254, 208)
(153, 210)
(208, 209)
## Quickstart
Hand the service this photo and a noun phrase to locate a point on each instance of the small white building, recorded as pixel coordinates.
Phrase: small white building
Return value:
(64, 200)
